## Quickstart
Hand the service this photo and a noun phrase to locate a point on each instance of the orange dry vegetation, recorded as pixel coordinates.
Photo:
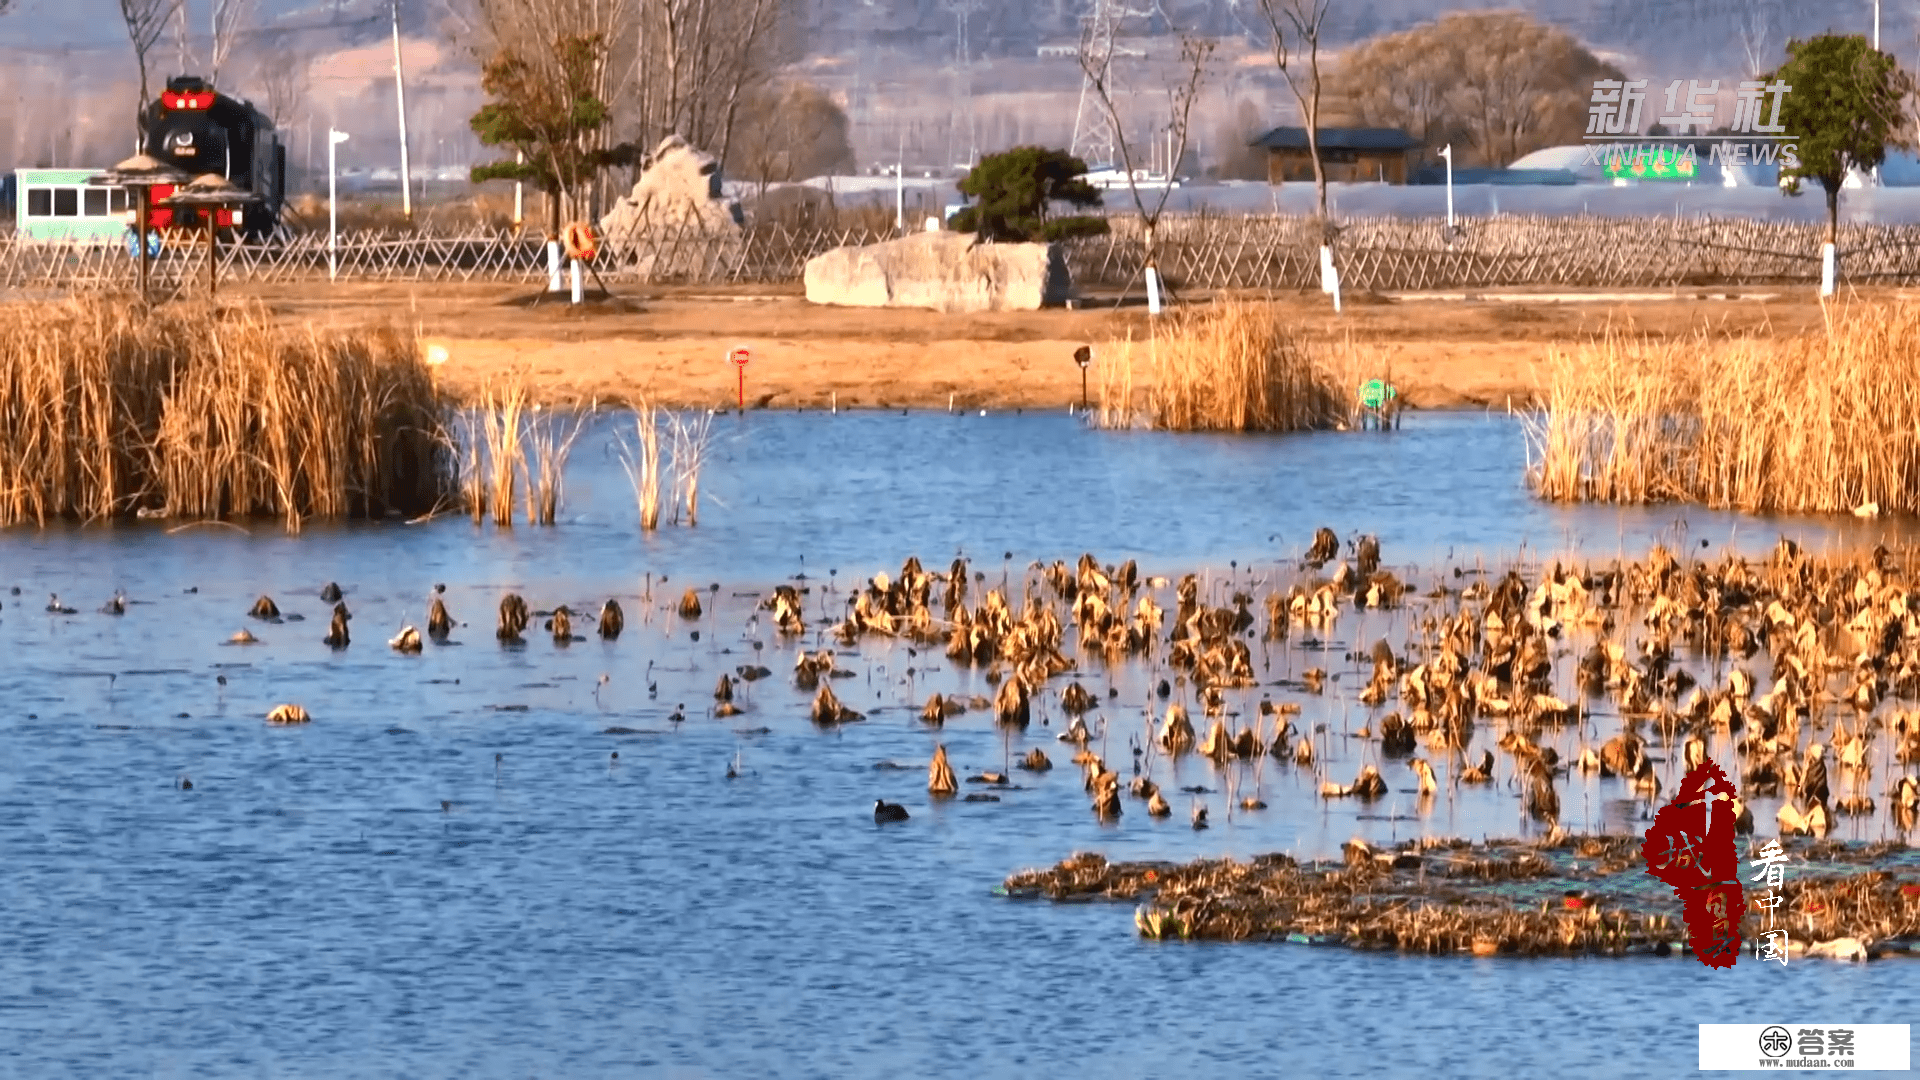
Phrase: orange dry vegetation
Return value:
(672, 344)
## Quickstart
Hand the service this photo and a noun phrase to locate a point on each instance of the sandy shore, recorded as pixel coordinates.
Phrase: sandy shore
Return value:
(672, 345)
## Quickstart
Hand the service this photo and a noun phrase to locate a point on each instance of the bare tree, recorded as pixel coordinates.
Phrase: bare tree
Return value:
(1296, 26)
(282, 77)
(229, 17)
(146, 20)
(1756, 35)
(181, 44)
(1195, 56)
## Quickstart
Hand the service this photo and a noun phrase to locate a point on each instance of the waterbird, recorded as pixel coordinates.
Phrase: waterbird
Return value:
(1199, 816)
(406, 641)
(288, 714)
(884, 811)
(242, 636)
(264, 608)
(117, 605)
(56, 607)
(330, 593)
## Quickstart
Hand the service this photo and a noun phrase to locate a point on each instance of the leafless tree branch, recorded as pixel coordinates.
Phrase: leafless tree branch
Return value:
(1296, 28)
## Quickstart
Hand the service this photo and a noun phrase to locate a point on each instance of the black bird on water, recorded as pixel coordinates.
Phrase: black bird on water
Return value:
(55, 607)
(884, 811)
(330, 593)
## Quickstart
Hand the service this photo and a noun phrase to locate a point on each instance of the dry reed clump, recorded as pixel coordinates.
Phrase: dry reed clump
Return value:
(1822, 422)
(643, 465)
(508, 445)
(688, 439)
(1226, 366)
(206, 411)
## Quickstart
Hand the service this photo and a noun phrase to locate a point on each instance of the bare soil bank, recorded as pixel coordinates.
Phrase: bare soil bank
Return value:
(673, 344)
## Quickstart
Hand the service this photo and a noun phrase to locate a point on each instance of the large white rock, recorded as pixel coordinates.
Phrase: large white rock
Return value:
(679, 193)
(945, 271)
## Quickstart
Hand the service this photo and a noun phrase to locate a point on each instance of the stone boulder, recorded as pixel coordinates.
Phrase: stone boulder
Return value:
(945, 271)
(678, 193)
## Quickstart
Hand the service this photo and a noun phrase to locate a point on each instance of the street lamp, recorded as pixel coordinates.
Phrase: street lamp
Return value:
(334, 139)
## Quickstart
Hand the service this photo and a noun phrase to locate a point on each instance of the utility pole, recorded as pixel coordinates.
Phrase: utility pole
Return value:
(400, 93)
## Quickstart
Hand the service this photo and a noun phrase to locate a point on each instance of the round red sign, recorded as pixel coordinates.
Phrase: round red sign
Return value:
(738, 356)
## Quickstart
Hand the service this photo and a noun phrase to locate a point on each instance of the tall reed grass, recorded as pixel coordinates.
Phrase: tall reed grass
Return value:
(197, 411)
(1227, 366)
(550, 437)
(643, 465)
(690, 437)
(1821, 422)
(687, 438)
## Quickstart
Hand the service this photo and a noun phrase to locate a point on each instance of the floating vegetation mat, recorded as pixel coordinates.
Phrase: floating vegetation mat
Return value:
(1576, 897)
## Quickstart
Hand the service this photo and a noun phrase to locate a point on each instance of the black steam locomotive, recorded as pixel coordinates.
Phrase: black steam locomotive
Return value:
(198, 130)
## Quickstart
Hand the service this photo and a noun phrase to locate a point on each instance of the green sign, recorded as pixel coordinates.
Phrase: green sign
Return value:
(1652, 162)
(1374, 394)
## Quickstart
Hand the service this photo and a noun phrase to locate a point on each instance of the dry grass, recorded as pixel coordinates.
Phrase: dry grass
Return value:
(550, 439)
(199, 411)
(643, 469)
(690, 436)
(1822, 422)
(1227, 366)
(503, 428)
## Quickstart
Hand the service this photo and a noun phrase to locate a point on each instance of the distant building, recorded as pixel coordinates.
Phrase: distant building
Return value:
(1346, 154)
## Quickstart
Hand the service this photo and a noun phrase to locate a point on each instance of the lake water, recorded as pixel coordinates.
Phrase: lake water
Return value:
(448, 873)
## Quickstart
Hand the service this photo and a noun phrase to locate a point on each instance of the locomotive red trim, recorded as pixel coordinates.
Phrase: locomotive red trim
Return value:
(196, 129)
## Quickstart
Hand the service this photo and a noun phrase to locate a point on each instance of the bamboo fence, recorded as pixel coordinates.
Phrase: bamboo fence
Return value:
(1194, 252)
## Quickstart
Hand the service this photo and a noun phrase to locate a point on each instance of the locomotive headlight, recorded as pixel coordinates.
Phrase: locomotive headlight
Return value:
(180, 143)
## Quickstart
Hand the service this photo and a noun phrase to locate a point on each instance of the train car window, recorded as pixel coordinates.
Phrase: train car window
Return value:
(122, 200)
(39, 202)
(66, 202)
(96, 202)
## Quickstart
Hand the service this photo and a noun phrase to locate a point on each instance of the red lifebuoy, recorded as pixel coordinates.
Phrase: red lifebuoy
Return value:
(579, 241)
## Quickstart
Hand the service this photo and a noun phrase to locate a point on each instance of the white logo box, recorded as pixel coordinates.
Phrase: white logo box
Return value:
(1876, 1047)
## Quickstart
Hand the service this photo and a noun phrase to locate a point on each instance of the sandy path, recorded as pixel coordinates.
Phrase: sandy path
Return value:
(673, 345)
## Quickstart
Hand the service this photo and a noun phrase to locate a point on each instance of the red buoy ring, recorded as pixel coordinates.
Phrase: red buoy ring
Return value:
(579, 240)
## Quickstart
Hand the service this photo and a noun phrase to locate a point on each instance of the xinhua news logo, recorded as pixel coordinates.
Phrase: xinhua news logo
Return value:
(1858, 1047)
(1755, 137)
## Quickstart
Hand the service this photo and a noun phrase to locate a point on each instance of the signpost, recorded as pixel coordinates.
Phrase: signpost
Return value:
(738, 358)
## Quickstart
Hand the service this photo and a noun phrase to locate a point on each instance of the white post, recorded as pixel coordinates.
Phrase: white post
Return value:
(1876, 25)
(400, 94)
(1153, 291)
(334, 139)
(900, 185)
(577, 294)
(1447, 153)
(553, 266)
(519, 158)
(1827, 269)
(1329, 277)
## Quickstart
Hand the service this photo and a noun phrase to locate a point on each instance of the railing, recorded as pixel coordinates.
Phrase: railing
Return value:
(1196, 252)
